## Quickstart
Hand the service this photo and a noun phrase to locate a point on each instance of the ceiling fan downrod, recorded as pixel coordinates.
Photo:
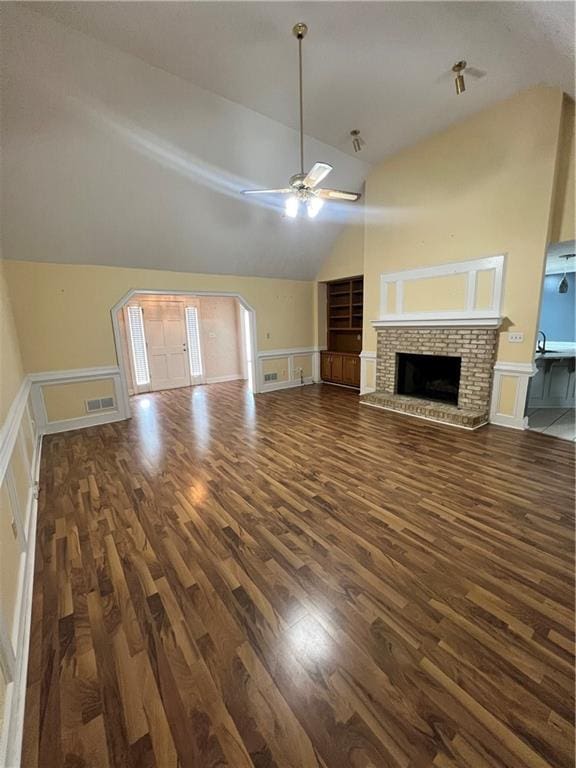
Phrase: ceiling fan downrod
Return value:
(299, 31)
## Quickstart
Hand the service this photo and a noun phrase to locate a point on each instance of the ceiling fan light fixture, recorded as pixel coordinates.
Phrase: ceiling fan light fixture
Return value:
(458, 70)
(292, 205)
(314, 206)
(357, 140)
(304, 187)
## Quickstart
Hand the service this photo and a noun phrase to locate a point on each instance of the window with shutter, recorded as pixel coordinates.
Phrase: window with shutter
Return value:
(138, 341)
(193, 332)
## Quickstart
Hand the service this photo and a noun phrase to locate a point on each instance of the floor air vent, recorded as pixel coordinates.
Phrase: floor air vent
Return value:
(270, 376)
(99, 404)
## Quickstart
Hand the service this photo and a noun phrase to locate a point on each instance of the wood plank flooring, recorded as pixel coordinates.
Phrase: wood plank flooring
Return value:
(297, 581)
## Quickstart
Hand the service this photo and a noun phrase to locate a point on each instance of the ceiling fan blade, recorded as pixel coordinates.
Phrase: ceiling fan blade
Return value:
(316, 174)
(287, 191)
(336, 194)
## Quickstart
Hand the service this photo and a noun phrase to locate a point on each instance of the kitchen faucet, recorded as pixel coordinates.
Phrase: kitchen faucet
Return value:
(541, 347)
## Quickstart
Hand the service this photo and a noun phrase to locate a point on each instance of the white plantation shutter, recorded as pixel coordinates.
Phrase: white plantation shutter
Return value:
(193, 332)
(138, 339)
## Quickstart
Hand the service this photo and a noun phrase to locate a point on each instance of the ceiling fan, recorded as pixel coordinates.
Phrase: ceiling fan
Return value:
(460, 69)
(303, 187)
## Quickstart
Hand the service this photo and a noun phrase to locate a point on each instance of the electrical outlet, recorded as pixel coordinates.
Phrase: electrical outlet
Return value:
(516, 338)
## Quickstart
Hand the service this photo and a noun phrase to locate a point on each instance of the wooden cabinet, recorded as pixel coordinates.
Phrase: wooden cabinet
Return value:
(351, 370)
(340, 368)
(344, 303)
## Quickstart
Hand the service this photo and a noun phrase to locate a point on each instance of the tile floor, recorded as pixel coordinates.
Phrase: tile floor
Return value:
(558, 422)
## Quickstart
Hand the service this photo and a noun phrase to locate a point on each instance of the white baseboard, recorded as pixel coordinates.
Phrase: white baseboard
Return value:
(512, 422)
(94, 420)
(222, 379)
(274, 385)
(342, 386)
(13, 724)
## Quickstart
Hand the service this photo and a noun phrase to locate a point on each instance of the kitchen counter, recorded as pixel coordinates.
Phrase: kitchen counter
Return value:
(555, 355)
(554, 383)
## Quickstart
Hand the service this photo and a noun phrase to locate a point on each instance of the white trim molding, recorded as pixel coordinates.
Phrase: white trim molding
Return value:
(289, 354)
(274, 385)
(14, 644)
(467, 315)
(10, 428)
(38, 381)
(367, 359)
(472, 319)
(522, 372)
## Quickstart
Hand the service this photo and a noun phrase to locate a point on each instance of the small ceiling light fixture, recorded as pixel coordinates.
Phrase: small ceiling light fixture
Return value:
(357, 140)
(458, 69)
(563, 284)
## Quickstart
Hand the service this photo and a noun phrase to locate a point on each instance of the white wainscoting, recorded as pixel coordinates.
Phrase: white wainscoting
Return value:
(119, 412)
(522, 372)
(288, 354)
(367, 372)
(393, 313)
(14, 645)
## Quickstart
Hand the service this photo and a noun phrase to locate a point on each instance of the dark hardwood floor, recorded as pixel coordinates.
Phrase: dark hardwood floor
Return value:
(298, 581)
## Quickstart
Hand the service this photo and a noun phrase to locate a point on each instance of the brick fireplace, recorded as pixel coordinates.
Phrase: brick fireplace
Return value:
(474, 347)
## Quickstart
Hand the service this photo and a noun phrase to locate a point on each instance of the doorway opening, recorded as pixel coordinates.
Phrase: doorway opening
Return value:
(166, 340)
(551, 400)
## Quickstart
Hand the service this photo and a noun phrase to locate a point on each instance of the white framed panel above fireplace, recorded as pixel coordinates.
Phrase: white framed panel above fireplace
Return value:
(487, 272)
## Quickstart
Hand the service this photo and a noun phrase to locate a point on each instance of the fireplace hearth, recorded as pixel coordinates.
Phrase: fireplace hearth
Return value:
(430, 377)
(437, 373)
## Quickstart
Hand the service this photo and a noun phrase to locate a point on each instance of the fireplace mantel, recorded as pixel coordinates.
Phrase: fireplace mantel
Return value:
(439, 320)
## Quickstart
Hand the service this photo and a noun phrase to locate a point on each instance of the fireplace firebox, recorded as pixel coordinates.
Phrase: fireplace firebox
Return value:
(430, 377)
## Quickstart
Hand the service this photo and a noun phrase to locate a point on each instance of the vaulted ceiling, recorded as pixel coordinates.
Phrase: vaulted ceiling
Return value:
(382, 67)
(129, 128)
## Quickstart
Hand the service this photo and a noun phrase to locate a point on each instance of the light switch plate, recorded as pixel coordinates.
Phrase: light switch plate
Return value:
(515, 338)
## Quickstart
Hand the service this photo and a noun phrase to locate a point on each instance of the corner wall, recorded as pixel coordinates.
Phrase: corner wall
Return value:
(485, 186)
(11, 369)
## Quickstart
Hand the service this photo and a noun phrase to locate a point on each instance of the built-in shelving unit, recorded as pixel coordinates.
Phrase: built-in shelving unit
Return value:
(344, 303)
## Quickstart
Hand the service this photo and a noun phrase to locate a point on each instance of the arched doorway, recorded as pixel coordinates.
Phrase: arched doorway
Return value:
(248, 323)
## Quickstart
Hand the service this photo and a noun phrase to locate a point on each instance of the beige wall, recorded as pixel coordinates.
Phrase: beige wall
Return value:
(303, 362)
(71, 325)
(563, 222)
(345, 260)
(277, 365)
(220, 337)
(480, 188)
(11, 370)
(68, 401)
(347, 256)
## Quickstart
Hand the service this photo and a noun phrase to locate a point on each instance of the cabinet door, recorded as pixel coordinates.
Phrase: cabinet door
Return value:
(325, 366)
(356, 373)
(348, 370)
(336, 372)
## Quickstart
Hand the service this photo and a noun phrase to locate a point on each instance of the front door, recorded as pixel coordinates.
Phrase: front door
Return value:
(167, 346)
